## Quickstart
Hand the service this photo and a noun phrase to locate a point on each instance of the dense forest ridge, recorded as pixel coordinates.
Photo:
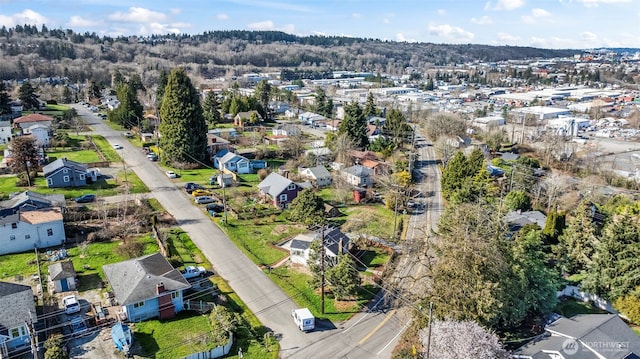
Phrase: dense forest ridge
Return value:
(217, 53)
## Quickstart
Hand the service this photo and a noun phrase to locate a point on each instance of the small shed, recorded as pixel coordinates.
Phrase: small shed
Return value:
(63, 276)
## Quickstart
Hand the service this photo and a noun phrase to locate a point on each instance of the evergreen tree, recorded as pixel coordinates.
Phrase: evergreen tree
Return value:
(579, 239)
(262, 94)
(397, 128)
(182, 125)
(28, 96)
(5, 100)
(94, 90)
(464, 178)
(307, 208)
(129, 111)
(162, 84)
(370, 108)
(354, 125)
(211, 108)
(344, 278)
(324, 105)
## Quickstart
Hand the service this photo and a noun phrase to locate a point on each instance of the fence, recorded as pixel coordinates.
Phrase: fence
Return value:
(575, 292)
(216, 352)
(199, 306)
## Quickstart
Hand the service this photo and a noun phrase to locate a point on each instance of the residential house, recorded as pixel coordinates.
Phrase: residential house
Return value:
(225, 133)
(18, 309)
(62, 276)
(278, 107)
(358, 175)
(378, 168)
(280, 190)
(65, 173)
(583, 336)
(29, 201)
(319, 175)
(335, 243)
(233, 162)
(373, 132)
(147, 287)
(216, 143)
(41, 134)
(287, 130)
(24, 231)
(519, 219)
(310, 118)
(225, 180)
(243, 119)
(333, 126)
(6, 132)
(24, 122)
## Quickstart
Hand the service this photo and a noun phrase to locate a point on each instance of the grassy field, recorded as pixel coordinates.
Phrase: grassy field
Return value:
(107, 151)
(82, 156)
(257, 238)
(296, 285)
(383, 225)
(173, 338)
(570, 307)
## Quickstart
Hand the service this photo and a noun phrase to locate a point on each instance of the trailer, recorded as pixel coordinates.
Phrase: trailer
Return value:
(303, 319)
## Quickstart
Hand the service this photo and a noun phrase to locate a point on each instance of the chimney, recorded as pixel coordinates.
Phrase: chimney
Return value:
(159, 288)
(339, 247)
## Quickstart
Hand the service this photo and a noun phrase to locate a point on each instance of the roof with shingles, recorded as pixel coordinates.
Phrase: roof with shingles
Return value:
(135, 280)
(34, 117)
(63, 162)
(61, 270)
(274, 184)
(16, 301)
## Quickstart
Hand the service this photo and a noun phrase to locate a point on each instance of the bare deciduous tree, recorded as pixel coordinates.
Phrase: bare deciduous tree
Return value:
(441, 124)
(452, 339)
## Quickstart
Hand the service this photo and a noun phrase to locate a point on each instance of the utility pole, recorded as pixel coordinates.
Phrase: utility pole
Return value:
(395, 214)
(33, 336)
(429, 335)
(322, 270)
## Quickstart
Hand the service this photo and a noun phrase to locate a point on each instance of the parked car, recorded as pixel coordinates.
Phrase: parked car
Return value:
(215, 207)
(204, 199)
(128, 134)
(152, 156)
(117, 146)
(78, 326)
(201, 192)
(171, 174)
(71, 304)
(86, 198)
(190, 187)
(193, 272)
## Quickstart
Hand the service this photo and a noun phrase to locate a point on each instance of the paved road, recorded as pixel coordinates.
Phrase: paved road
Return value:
(270, 304)
(369, 334)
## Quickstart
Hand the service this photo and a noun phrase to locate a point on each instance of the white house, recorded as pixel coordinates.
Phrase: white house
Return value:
(25, 231)
(318, 175)
(358, 175)
(5, 131)
(41, 134)
(335, 242)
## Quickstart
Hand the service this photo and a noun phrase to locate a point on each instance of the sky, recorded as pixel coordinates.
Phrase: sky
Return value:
(575, 24)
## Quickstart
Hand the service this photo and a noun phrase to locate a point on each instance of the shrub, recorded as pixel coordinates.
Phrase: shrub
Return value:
(263, 173)
(629, 305)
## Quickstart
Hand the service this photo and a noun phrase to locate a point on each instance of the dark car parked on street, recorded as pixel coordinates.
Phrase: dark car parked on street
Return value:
(86, 198)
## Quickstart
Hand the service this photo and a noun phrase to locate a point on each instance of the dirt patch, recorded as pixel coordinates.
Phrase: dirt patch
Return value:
(283, 228)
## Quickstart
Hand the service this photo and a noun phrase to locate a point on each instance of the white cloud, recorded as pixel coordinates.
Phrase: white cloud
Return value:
(222, 16)
(504, 5)
(537, 12)
(355, 15)
(78, 21)
(595, 3)
(442, 12)
(158, 28)
(269, 25)
(505, 38)
(176, 11)
(27, 16)
(401, 38)
(484, 20)
(138, 15)
(451, 32)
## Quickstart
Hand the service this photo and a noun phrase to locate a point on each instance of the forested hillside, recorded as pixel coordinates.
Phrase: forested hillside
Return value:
(220, 53)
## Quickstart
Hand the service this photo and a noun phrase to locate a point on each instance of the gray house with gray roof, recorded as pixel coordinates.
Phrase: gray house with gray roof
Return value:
(147, 287)
(30, 201)
(65, 173)
(17, 308)
(280, 190)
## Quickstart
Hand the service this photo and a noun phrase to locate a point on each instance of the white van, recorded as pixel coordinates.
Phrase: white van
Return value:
(303, 319)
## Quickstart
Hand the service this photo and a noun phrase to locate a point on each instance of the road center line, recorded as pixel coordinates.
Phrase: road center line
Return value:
(383, 322)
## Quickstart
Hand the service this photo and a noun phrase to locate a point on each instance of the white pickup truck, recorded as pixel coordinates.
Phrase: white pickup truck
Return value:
(193, 272)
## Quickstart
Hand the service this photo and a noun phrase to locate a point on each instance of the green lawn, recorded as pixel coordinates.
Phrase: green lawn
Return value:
(383, 225)
(571, 307)
(82, 156)
(200, 175)
(180, 245)
(173, 338)
(107, 150)
(256, 238)
(296, 285)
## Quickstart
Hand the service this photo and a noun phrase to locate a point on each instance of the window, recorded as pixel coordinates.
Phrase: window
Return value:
(82, 177)
(14, 225)
(49, 232)
(12, 237)
(292, 187)
(138, 305)
(27, 236)
(283, 198)
(49, 181)
(18, 332)
(65, 178)
(175, 295)
(65, 170)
